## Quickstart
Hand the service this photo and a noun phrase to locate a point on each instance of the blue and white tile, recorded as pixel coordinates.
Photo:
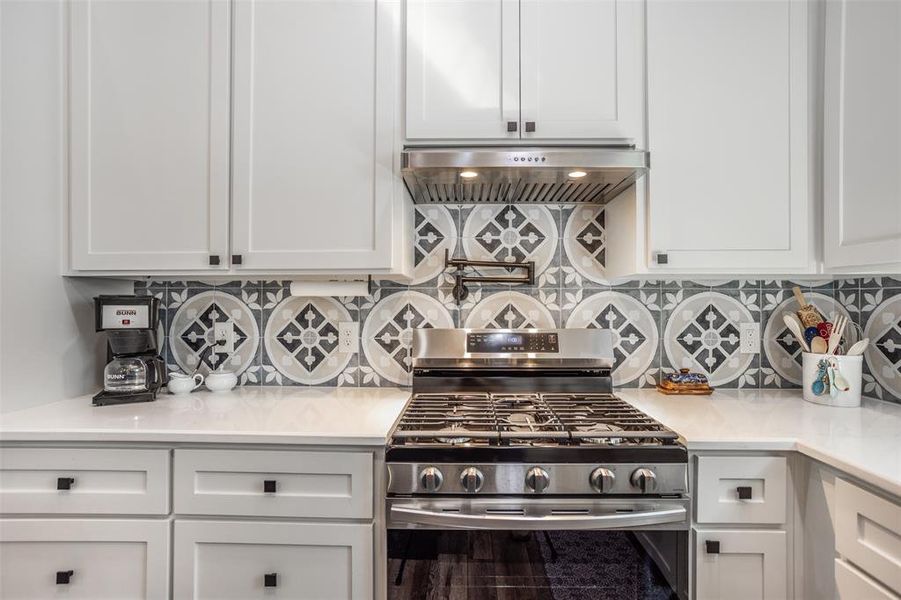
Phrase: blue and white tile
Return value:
(436, 234)
(300, 340)
(883, 355)
(191, 332)
(510, 310)
(702, 334)
(585, 247)
(387, 332)
(512, 233)
(633, 324)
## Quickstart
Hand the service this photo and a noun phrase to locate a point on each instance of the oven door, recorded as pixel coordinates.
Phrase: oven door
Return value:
(542, 548)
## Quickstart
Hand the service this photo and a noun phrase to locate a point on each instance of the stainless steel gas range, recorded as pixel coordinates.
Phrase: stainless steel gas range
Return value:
(518, 431)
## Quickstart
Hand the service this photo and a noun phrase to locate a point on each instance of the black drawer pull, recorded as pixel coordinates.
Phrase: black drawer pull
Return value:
(63, 577)
(237, 259)
(214, 260)
(269, 486)
(270, 580)
(64, 483)
(712, 547)
(530, 126)
(744, 492)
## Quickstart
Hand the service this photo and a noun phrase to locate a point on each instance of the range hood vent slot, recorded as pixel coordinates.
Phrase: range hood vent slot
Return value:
(520, 175)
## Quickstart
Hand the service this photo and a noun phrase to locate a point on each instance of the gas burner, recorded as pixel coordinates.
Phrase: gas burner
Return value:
(453, 441)
(601, 428)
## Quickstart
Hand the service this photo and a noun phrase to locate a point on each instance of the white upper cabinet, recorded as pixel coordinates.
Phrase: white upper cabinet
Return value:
(462, 61)
(314, 136)
(511, 71)
(581, 69)
(862, 136)
(149, 109)
(728, 110)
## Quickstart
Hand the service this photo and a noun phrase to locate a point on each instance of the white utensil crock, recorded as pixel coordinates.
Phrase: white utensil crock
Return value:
(850, 367)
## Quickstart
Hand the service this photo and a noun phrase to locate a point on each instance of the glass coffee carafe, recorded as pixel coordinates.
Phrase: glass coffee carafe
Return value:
(127, 374)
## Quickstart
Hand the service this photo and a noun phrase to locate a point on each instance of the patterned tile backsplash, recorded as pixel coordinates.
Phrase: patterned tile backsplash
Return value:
(658, 326)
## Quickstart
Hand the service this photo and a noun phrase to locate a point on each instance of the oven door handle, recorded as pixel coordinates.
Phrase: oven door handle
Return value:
(460, 520)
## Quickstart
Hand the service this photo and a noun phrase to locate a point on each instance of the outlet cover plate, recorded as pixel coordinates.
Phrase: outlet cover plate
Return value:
(349, 336)
(225, 336)
(749, 338)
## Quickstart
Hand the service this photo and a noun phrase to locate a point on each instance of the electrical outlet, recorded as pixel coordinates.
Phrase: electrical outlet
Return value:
(224, 333)
(749, 338)
(349, 336)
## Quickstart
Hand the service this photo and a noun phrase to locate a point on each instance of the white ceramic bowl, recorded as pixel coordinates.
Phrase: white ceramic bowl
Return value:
(221, 381)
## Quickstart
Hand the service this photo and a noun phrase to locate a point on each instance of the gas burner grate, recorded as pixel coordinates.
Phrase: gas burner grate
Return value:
(527, 419)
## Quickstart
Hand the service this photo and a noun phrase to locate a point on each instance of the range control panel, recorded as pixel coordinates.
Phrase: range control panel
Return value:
(512, 342)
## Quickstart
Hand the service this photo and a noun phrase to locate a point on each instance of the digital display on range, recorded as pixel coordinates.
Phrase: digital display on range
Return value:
(512, 342)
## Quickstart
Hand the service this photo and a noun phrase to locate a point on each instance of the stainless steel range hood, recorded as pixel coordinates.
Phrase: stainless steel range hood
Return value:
(519, 174)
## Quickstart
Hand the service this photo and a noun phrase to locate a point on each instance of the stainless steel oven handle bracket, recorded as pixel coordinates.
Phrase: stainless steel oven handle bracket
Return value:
(459, 520)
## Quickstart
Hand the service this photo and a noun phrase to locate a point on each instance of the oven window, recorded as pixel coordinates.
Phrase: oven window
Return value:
(540, 565)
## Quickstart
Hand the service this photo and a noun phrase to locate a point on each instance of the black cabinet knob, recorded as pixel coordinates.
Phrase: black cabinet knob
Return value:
(530, 126)
(64, 483)
(511, 126)
(744, 492)
(214, 260)
(270, 580)
(63, 577)
(712, 547)
(269, 486)
(237, 259)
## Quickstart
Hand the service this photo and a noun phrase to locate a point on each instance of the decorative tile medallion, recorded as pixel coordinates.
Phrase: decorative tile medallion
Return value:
(702, 333)
(387, 332)
(585, 242)
(436, 232)
(513, 233)
(884, 353)
(301, 339)
(510, 310)
(634, 330)
(192, 339)
(782, 349)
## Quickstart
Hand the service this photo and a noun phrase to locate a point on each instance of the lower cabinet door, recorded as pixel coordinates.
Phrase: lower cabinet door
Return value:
(740, 565)
(851, 584)
(90, 559)
(221, 560)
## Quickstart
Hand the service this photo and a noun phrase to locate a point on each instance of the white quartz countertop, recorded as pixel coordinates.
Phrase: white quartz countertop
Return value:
(267, 415)
(864, 442)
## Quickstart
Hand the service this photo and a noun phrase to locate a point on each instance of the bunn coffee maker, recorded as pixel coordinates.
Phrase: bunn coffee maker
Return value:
(135, 372)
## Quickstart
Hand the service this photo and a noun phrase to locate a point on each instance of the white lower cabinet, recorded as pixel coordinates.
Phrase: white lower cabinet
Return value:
(852, 584)
(91, 559)
(740, 564)
(221, 560)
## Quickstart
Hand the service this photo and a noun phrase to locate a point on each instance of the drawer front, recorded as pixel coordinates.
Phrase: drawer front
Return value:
(745, 564)
(273, 483)
(868, 533)
(91, 559)
(851, 584)
(84, 481)
(741, 489)
(225, 560)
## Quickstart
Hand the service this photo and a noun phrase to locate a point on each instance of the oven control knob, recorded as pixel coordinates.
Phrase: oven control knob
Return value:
(537, 479)
(645, 480)
(472, 479)
(431, 479)
(602, 480)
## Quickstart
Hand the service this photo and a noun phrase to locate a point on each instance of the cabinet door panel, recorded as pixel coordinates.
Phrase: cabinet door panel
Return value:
(750, 565)
(223, 560)
(728, 135)
(314, 142)
(862, 137)
(462, 61)
(580, 68)
(109, 559)
(149, 134)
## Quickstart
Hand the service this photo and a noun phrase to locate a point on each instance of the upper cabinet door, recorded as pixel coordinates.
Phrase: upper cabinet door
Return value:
(581, 69)
(313, 133)
(462, 69)
(728, 134)
(862, 136)
(149, 106)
